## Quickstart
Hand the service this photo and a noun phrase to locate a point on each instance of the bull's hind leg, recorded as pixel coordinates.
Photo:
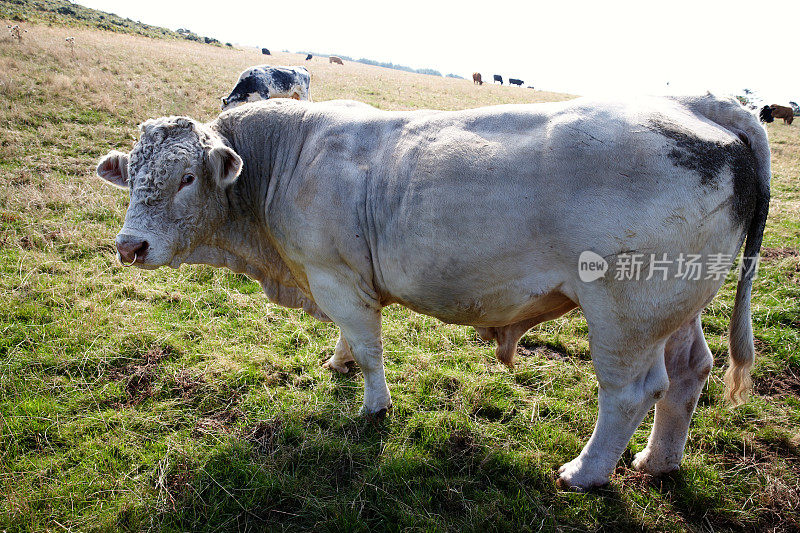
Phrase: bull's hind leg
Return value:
(631, 377)
(341, 356)
(688, 361)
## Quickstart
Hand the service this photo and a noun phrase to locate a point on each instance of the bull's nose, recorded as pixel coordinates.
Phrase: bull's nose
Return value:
(130, 248)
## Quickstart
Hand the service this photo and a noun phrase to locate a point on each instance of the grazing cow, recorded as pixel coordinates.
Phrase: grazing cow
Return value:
(16, 32)
(781, 111)
(335, 59)
(265, 51)
(264, 82)
(476, 78)
(765, 115)
(308, 57)
(515, 81)
(498, 77)
(489, 217)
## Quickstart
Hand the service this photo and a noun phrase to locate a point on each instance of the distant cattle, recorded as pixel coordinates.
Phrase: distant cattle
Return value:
(265, 51)
(265, 82)
(781, 111)
(515, 81)
(476, 78)
(16, 32)
(766, 114)
(308, 57)
(499, 78)
(336, 59)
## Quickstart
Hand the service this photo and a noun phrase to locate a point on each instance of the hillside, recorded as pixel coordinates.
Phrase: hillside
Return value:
(68, 14)
(182, 400)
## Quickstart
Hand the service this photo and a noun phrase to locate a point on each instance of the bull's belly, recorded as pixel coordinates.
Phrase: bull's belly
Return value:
(481, 300)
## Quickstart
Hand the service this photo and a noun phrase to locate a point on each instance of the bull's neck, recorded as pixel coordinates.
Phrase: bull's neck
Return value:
(269, 148)
(244, 243)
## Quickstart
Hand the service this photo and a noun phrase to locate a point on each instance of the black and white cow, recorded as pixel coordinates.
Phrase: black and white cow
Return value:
(265, 82)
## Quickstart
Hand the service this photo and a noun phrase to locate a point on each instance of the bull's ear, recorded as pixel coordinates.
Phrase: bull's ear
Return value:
(226, 165)
(114, 169)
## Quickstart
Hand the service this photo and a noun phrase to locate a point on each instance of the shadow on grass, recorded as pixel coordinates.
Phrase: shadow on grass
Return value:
(332, 473)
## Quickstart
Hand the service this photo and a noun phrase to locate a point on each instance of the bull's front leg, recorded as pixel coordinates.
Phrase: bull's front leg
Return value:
(359, 319)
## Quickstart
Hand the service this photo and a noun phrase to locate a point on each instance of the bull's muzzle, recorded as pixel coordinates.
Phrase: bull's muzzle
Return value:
(131, 249)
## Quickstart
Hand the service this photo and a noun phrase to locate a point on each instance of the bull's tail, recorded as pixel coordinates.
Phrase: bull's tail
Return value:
(733, 117)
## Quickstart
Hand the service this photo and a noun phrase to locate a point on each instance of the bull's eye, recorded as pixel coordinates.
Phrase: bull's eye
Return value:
(187, 179)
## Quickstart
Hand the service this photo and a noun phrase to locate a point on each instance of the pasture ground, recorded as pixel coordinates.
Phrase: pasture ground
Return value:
(183, 400)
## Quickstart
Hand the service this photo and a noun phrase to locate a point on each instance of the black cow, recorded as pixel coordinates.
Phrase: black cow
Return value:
(766, 114)
(515, 81)
(265, 51)
(308, 57)
(499, 78)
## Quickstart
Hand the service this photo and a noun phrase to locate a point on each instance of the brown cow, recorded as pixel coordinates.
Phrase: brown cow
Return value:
(781, 111)
(476, 78)
(336, 59)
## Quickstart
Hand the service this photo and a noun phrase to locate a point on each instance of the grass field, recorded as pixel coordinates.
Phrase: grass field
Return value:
(183, 400)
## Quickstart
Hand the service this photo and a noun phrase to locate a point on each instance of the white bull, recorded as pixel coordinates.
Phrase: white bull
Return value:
(477, 217)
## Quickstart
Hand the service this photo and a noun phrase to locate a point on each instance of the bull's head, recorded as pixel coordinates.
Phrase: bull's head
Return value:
(177, 174)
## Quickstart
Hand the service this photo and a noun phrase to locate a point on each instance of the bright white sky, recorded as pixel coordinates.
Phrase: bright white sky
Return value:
(575, 46)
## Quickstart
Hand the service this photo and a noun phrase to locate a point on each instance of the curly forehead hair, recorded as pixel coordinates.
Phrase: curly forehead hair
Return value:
(182, 135)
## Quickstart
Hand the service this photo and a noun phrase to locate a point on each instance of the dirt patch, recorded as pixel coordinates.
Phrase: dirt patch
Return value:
(628, 478)
(185, 384)
(138, 376)
(775, 254)
(775, 499)
(262, 434)
(786, 383)
(177, 484)
(542, 351)
(461, 443)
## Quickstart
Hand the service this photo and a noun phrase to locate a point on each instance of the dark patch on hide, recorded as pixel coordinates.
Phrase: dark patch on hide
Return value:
(281, 80)
(710, 159)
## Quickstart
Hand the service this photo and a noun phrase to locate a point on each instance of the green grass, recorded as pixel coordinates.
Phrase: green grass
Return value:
(183, 400)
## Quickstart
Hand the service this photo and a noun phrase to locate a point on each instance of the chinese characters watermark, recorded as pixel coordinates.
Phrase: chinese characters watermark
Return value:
(640, 266)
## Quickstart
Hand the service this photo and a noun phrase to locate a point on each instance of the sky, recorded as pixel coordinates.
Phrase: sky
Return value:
(579, 47)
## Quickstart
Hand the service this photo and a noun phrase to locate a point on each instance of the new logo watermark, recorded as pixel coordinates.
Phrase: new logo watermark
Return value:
(591, 266)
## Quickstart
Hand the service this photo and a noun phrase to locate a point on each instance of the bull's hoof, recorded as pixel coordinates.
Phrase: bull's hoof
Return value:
(574, 477)
(340, 367)
(377, 417)
(644, 461)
